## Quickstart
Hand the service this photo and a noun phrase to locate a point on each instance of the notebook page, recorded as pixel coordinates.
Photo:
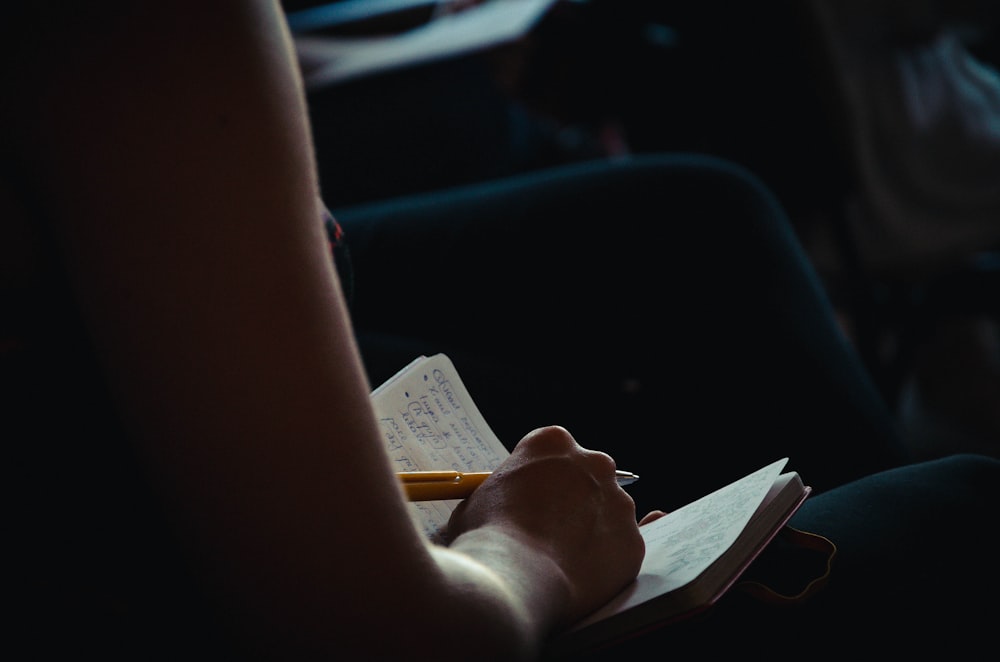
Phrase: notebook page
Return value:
(681, 545)
(430, 423)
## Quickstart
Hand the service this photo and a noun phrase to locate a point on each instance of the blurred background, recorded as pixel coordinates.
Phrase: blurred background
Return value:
(877, 125)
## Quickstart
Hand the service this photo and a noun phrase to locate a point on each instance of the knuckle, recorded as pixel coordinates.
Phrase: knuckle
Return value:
(602, 463)
(550, 439)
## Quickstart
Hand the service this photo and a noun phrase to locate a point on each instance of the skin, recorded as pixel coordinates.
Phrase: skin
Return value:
(175, 164)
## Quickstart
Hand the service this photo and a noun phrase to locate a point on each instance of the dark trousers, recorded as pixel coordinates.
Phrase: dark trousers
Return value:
(660, 308)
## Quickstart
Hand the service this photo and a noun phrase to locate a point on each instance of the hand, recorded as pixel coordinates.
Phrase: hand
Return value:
(563, 500)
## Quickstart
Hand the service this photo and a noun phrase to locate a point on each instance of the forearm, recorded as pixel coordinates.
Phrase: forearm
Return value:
(487, 595)
(508, 594)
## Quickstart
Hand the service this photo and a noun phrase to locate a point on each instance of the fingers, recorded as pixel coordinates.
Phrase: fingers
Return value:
(652, 516)
(580, 475)
(556, 441)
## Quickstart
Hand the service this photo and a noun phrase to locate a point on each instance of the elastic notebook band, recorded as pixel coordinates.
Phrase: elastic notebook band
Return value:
(797, 539)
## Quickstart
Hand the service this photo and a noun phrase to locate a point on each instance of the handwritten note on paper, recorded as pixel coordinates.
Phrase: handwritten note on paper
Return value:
(680, 546)
(429, 423)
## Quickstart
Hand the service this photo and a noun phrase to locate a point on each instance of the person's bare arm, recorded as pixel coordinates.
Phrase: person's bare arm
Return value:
(175, 161)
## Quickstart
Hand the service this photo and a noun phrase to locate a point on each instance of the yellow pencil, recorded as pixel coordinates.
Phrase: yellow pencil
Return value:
(438, 485)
